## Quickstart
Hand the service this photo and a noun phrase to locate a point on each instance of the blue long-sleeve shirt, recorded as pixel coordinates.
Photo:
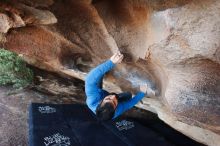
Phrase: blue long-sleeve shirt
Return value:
(95, 93)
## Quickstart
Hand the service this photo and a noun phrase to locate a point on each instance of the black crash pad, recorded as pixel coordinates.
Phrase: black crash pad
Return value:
(76, 125)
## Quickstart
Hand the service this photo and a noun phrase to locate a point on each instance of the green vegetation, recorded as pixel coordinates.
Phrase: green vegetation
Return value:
(13, 70)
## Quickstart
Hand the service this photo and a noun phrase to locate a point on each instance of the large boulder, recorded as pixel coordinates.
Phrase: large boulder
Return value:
(14, 14)
(173, 46)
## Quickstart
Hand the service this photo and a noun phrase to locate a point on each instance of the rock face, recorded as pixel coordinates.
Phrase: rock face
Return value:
(13, 15)
(173, 46)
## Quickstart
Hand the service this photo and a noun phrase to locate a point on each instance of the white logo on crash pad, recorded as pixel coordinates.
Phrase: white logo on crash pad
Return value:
(57, 140)
(46, 109)
(124, 125)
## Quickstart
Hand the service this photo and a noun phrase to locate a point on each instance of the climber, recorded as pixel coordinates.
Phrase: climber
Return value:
(107, 105)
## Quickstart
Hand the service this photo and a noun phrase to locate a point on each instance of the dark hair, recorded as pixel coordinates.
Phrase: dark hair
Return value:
(105, 112)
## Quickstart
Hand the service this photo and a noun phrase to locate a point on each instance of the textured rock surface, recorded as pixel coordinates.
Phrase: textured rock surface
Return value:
(190, 55)
(14, 14)
(173, 46)
(5, 24)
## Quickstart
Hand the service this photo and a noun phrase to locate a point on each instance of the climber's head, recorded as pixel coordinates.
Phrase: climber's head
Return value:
(106, 108)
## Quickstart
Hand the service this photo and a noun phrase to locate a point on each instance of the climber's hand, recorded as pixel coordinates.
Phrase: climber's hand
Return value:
(117, 58)
(150, 92)
(143, 88)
